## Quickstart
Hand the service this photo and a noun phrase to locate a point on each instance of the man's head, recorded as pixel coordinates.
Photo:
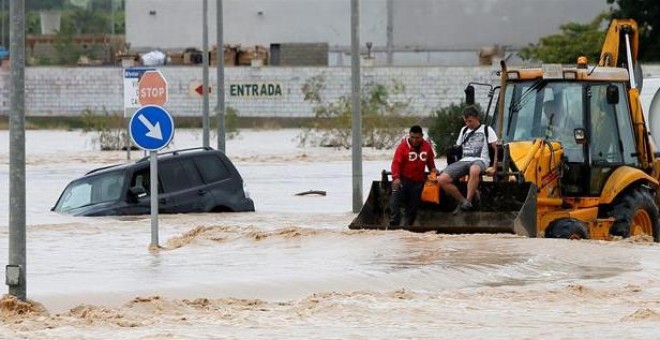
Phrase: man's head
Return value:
(471, 116)
(415, 135)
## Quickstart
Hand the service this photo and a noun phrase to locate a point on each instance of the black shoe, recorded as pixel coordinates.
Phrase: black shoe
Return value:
(462, 207)
(476, 201)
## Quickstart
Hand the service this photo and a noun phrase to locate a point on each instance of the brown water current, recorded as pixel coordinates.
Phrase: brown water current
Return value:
(293, 269)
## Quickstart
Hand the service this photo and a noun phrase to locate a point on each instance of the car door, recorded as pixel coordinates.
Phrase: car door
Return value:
(226, 189)
(138, 192)
(181, 186)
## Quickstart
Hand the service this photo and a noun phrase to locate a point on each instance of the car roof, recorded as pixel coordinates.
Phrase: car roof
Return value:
(161, 156)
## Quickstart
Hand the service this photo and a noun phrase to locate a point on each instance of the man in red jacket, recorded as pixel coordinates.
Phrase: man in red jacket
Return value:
(411, 158)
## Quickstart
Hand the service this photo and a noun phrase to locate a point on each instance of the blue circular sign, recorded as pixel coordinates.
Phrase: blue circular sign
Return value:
(151, 127)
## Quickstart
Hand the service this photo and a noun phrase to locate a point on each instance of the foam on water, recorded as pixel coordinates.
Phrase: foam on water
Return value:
(294, 269)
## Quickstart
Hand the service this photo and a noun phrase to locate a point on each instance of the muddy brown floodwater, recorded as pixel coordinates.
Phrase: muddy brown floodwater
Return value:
(293, 269)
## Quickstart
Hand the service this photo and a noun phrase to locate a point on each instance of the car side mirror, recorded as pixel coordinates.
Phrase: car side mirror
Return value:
(136, 193)
(469, 95)
(612, 94)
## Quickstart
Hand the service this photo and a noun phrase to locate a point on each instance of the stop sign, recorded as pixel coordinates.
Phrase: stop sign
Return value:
(152, 89)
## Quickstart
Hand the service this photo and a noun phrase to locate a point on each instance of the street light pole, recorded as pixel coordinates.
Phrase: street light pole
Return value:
(2, 39)
(205, 75)
(356, 144)
(16, 269)
(221, 78)
(112, 18)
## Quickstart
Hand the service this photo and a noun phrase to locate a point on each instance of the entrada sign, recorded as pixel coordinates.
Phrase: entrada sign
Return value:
(256, 90)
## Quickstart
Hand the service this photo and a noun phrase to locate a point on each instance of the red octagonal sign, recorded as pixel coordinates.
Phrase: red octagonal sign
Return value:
(152, 89)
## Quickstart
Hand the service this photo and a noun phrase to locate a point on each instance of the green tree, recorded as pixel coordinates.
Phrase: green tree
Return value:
(86, 21)
(646, 13)
(445, 125)
(67, 52)
(38, 5)
(574, 41)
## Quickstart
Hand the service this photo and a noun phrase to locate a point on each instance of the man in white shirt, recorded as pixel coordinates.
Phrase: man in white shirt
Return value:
(475, 140)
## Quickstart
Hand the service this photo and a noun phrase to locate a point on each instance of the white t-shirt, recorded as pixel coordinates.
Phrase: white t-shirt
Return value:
(476, 147)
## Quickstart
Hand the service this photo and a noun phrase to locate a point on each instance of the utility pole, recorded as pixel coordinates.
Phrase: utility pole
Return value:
(16, 269)
(357, 110)
(2, 39)
(112, 17)
(221, 79)
(390, 32)
(205, 75)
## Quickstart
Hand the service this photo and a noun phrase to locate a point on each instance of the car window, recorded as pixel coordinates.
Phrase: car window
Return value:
(173, 176)
(92, 190)
(212, 168)
(191, 171)
(141, 179)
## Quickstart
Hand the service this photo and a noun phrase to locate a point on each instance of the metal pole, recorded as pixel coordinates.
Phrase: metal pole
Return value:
(631, 69)
(205, 70)
(390, 32)
(128, 138)
(357, 118)
(112, 18)
(16, 269)
(2, 42)
(153, 182)
(221, 79)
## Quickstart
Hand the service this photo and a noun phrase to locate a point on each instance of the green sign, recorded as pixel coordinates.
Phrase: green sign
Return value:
(256, 90)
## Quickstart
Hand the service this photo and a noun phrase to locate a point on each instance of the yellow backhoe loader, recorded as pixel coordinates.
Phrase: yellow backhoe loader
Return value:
(586, 170)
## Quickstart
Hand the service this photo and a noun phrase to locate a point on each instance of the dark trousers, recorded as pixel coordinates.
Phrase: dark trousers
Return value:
(409, 194)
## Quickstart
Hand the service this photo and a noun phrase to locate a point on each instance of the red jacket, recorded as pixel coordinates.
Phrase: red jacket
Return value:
(409, 163)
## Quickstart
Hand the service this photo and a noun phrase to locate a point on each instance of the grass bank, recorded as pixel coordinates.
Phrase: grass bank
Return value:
(267, 123)
(73, 123)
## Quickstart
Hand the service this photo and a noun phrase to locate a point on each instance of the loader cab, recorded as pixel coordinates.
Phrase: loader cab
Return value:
(590, 119)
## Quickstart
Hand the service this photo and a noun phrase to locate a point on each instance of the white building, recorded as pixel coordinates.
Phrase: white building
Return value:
(422, 32)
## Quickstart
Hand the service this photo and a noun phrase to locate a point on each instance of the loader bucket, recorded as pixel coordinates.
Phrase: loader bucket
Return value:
(506, 207)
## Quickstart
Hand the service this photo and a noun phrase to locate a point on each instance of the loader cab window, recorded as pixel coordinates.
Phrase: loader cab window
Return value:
(567, 116)
(543, 109)
(612, 120)
(611, 142)
(604, 143)
(519, 118)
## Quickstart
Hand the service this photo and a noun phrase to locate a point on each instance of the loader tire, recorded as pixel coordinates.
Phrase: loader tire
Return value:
(636, 213)
(568, 228)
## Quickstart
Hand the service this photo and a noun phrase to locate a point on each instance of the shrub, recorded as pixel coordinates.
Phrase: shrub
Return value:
(109, 127)
(383, 120)
(445, 126)
(231, 124)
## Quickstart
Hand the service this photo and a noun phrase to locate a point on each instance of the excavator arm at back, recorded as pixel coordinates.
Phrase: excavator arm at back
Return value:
(622, 32)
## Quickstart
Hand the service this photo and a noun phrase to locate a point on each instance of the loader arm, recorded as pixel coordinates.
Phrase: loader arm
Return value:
(614, 50)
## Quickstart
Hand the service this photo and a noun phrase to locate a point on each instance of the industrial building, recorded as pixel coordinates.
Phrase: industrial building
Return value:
(400, 32)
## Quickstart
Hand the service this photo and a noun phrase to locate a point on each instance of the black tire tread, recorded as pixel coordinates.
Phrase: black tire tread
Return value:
(624, 208)
(565, 228)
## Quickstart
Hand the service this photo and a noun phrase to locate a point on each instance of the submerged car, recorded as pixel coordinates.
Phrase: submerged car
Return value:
(190, 180)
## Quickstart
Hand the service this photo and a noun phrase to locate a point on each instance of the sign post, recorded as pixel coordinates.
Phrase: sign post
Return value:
(131, 102)
(152, 129)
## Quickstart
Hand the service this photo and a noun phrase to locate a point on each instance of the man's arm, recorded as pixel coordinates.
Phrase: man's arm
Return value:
(430, 161)
(396, 162)
(396, 167)
(492, 143)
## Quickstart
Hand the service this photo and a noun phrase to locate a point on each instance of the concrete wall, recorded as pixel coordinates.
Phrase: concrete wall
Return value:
(253, 91)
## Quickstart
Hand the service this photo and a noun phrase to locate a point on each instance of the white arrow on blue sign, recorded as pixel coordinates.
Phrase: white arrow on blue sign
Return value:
(151, 127)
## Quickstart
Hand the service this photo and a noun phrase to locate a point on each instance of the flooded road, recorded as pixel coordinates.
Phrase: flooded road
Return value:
(294, 270)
